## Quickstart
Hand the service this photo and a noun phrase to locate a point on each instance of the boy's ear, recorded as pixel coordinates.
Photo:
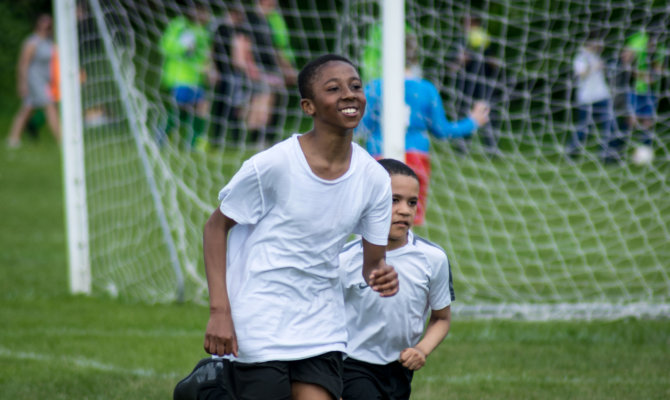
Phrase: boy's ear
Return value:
(307, 106)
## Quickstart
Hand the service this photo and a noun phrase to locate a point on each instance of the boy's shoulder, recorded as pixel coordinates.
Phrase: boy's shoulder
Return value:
(430, 249)
(428, 87)
(368, 163)
(420, 90)
(277, 153)
(272, 164)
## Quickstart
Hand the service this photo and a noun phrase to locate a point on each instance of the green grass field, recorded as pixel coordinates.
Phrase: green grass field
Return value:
(57, 346)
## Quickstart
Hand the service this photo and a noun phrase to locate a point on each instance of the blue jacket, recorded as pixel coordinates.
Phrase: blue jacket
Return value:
(426, 114)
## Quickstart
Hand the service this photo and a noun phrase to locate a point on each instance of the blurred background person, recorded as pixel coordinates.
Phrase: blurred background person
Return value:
(38, 118)
(34, 80)
(648, 60)
(478, 78)
(186, 48)
(425, 116)
(235, 66)
(275, 72)
(594, 101)
(620, 74)
(281, 40)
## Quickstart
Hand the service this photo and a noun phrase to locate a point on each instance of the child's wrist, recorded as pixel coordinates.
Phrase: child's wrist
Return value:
(422, 352)
(219, 310)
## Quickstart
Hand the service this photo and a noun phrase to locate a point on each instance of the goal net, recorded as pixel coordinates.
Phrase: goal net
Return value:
(538, 221)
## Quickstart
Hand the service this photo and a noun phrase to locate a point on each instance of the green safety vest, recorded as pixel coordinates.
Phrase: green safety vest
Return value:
(186, 53)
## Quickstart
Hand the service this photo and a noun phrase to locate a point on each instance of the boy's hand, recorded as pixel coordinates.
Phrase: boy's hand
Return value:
(480, 113)
(220, 336)
(412, 358)
(384, 280)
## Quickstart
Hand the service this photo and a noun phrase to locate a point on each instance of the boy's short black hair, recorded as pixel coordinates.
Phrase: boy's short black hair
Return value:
(309, 71)
(395, 167)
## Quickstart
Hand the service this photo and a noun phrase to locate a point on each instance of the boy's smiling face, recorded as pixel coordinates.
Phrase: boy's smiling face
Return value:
(338, 98)
(405, 199)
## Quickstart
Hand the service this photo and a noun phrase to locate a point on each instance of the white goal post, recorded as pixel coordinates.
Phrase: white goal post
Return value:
(393, 82)
(74, 180)
(549, 211)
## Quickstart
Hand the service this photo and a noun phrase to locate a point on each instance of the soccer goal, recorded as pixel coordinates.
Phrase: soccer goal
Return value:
(538, 223)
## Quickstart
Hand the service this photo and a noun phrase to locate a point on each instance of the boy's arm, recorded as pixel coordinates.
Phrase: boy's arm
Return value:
(220, 336)
(380, 276)
(437, 121)
(438, 327)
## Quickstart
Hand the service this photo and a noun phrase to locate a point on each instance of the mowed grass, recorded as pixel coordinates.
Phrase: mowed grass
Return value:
(57, 346)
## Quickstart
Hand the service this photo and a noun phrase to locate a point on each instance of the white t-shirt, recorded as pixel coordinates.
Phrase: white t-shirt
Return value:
(592, 87)
(282, 259)
(380, 328)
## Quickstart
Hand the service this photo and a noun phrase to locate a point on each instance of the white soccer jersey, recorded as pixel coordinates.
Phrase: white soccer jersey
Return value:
(380, 328)
(282, 260)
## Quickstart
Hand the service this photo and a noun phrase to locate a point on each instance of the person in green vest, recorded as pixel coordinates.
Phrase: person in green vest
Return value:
(186, 49)
(648, 59)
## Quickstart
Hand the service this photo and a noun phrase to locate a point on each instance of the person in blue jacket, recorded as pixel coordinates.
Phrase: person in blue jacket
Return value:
(425, 116)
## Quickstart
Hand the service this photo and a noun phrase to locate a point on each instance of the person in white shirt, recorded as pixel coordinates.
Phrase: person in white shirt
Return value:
(385, 335)
(594, 101)
(271, 248)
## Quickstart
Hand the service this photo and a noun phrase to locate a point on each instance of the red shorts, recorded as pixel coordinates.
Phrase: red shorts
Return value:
(420, 163)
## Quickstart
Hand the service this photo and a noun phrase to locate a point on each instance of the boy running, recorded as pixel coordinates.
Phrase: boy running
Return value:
(271, 247)
(385, 344)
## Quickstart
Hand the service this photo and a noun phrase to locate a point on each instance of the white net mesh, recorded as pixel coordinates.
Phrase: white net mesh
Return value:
(531, 229)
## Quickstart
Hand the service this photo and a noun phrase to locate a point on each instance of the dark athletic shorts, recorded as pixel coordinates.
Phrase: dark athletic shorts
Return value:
(271, 380)
(365, 381)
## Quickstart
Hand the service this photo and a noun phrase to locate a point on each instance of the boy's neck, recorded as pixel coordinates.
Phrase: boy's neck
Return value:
(396, 244)
(328, 156)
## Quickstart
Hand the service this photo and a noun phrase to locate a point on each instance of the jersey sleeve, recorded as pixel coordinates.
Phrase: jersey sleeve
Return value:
(242, 198)
(437, 122)
(351, 262)
(441, 292)
(376, 221)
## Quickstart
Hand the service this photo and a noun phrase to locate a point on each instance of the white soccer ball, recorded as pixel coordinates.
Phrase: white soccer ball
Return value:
(643, 155)
(112, 290)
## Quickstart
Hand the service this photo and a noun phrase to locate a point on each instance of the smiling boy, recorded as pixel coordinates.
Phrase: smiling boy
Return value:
(271, 247)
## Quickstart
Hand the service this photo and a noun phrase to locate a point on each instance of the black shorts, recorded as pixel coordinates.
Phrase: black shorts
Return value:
(365, 381)
(272, 380)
